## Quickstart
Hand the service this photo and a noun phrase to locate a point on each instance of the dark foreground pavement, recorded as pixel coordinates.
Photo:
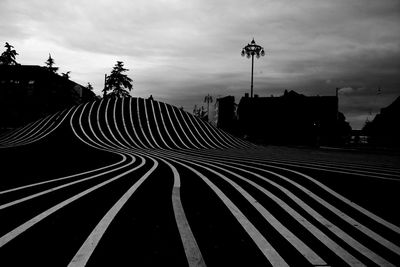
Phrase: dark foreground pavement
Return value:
(137, 182)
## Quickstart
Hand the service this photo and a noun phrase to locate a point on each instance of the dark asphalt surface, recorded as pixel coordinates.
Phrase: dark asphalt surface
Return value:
(65, 177)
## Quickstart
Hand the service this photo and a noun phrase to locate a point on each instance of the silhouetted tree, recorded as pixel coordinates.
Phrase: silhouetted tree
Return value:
(343, 128)
(117, 81)
(50, 64)
(367, 126)
(200, 112)
(195, 110)
(383, 130)
(89, 86)
(8, 56)
(66, 74)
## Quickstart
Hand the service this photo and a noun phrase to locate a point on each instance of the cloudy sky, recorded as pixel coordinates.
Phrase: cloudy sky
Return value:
(181, 50)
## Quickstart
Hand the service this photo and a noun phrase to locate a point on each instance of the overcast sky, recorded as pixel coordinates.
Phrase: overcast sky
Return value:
(181, 50)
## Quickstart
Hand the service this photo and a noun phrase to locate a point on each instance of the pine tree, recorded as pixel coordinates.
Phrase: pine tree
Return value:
(117, 81)
(8, 56)
(50, 64)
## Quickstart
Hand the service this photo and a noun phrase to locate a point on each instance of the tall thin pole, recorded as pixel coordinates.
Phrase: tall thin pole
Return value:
(252, 69)
(252, 50)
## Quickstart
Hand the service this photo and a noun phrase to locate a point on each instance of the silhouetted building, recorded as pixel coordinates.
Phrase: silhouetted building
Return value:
(30, 92)
(384, 129)
(292, 119)
(225, 114)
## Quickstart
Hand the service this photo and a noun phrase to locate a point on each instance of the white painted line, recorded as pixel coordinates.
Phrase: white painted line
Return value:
(12, 203)
(192, 251)
(334, 229)
(63, 178)
(148, 124)
(87, 248)
(140, 123)
(196, 120)
(173, 127)
(180, 126)
(25, 226)
(165, 127)
(133, 125)
(327, 189)
(265, 247)
(205, 143)
(124, 123)
(308, 253)
(157, 127)
(337, 169)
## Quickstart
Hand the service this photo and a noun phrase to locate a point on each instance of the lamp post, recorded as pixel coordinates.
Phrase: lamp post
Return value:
(251, 50)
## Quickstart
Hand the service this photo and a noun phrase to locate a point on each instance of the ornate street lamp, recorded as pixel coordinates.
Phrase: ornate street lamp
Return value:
(251, 50)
